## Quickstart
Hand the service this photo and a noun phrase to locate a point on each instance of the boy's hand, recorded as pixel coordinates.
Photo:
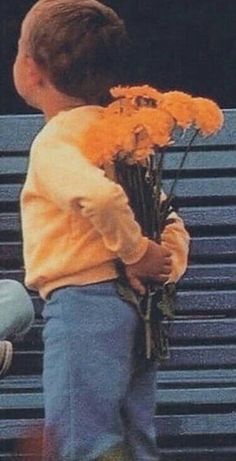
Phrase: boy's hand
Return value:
(154, 266)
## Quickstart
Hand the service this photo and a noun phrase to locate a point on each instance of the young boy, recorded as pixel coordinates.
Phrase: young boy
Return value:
(76, 224)
(16, 318)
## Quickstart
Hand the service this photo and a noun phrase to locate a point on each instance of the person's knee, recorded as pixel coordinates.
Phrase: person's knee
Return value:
(16, 309)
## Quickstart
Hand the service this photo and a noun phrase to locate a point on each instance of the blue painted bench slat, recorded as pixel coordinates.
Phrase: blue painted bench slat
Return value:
(209, 216)
(182, 357)
(196, 387)
(173, 398)
(196, 454)
(204, 187)
(18, 428)
(187, 189)
(183, 330)
(203, 163)
(211, 424)
(221, 248)
(215, 356)
(194, 217)
(210, 276)
(206, 303)
(197, 276)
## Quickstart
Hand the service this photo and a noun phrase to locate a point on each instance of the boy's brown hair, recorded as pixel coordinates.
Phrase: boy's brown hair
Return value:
(80, 44)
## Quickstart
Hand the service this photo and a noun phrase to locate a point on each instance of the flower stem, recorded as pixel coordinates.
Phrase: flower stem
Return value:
(171, 193)
(157, 198)
(142, 202)
(147, 322)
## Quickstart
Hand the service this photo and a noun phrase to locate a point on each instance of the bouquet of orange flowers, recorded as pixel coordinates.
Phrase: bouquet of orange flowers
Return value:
(132, 134)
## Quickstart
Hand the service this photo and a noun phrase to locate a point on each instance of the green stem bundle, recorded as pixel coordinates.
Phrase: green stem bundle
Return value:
(143, 186)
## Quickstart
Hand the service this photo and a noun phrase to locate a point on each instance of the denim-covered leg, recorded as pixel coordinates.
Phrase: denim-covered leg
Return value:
(89, 336)
(16, 310)
(139, 411)
(118, 453)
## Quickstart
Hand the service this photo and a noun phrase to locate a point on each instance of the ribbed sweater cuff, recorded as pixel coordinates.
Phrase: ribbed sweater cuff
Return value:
(135, 256)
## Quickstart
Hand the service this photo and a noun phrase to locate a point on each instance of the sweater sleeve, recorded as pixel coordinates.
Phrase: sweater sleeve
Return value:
(69, 180)
(176, 239)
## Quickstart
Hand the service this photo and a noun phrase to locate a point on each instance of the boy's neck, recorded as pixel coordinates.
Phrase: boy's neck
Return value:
(52, 102)
(50, 110)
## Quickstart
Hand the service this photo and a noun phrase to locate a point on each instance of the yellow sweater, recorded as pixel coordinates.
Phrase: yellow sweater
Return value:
(75, 220)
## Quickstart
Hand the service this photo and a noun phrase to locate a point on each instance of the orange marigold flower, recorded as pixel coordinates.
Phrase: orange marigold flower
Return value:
(132, 92)
(208, 117)
(101, 141)
(136, 142)
(133, 126)
(158, 123)
(133, 136)
(180, 106)
(120, 107)
(145, 129)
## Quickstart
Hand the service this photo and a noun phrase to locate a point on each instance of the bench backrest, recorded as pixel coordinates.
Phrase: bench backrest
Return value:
(196, 387)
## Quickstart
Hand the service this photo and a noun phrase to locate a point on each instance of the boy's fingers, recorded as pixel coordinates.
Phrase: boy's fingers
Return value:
(166, 270)
(163, 278)
(167, 263)
(167, 259)
(166, 252)
(137, 285)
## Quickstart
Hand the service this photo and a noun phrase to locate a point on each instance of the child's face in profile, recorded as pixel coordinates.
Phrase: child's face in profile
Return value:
(24, 69)
(20, 65)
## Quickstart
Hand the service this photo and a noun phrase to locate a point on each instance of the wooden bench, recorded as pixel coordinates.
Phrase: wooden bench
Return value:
(196, 388)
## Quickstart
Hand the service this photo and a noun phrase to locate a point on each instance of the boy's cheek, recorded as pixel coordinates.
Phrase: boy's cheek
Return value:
(17, 74)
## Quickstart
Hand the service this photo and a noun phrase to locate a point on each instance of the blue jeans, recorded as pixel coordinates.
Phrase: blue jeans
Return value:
(16, 310)
(97, 395)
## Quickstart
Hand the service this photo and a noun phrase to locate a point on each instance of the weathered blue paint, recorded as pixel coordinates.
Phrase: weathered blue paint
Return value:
(196, 387)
